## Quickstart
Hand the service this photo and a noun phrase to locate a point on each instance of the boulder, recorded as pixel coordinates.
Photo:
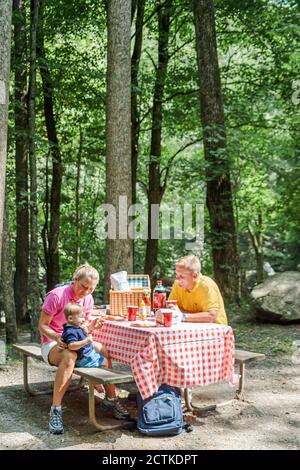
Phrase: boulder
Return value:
(277, 299)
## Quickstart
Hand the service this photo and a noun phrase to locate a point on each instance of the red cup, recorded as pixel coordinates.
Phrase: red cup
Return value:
(132, 312)
(167, 317)
(171, 303)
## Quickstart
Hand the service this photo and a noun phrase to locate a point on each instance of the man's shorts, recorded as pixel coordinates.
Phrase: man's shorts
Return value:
(45, 350)
(94, 359)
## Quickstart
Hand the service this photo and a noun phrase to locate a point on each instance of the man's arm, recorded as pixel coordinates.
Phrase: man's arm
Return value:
(201, 317)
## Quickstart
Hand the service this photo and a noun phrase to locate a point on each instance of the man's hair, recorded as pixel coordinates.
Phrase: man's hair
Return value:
(190, 262)
(86, 271)
(72, 309)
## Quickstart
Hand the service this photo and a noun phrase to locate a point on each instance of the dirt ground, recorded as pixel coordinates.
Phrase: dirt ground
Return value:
(269, 419)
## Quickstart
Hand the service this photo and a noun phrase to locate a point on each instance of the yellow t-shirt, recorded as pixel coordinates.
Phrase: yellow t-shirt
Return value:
(204, 296)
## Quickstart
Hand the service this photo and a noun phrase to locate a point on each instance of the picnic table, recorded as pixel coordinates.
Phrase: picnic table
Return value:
(184, 355)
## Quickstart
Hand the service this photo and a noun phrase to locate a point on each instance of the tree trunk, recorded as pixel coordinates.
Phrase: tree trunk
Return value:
(21, 161)
(5, 33)
(135, 61)
(135, 119)
(219, 192)
(77, 200)
(118, 134)
(257, 239)
(155, 190)
(52, 255)
(34, 247)
(7, 283)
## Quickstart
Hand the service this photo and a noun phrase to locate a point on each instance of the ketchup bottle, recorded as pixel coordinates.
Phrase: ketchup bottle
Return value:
(159, 296)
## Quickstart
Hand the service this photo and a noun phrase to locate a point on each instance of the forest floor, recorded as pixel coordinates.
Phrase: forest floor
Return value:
(268, 419)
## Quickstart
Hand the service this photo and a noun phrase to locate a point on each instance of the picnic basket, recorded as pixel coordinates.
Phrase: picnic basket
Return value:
(120, 300)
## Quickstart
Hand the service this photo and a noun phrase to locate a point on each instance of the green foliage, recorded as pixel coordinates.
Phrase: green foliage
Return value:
(258, 45)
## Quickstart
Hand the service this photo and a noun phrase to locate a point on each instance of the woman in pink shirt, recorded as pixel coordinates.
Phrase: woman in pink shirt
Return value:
(55, 352)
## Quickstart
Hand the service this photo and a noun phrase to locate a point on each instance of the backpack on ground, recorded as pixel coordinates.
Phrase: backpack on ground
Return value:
(161, 414)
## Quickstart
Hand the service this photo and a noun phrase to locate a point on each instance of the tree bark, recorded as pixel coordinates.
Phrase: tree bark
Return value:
(5, 33)
(155, 188)
(7, 282)
(219, 193)
(21, 161)
(257, 239)
(52, 255)
(77, 199)
(135, 118)
(135, 125)
(118, 134)
(34, 246)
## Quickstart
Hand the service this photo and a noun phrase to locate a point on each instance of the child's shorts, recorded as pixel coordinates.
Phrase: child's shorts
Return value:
(94, 359)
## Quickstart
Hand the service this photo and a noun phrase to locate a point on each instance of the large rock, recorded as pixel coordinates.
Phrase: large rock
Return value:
(277, 299)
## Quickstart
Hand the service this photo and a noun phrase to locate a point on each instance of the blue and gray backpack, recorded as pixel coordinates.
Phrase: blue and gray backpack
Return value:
(161, 414)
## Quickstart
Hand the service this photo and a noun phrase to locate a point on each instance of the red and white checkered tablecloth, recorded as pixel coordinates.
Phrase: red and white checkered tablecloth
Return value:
(184, 355)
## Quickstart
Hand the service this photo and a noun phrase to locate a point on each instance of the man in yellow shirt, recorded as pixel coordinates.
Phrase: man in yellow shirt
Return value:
(197, 296)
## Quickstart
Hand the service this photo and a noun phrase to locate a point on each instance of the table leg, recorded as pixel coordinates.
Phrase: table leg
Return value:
(27, 387)
(92, 415)
(240, 391)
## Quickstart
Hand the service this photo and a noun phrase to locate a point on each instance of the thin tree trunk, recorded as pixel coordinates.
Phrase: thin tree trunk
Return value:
(135, 61)
(5, 33)
(21, 161)
(77, 199)
(135, 118)
(219, 192)
(118, 134)
(53, 271)
(34, 247)
(257, 239)
(155, 189)
(7, 282)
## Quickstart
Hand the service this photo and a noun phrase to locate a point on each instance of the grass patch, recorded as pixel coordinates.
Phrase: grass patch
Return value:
(266, 338)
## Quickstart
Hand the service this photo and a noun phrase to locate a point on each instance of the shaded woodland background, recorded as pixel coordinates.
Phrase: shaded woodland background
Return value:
(163, 101)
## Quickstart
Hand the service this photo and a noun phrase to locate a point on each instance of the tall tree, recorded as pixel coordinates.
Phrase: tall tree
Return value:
(135, 61)
(5, 33)
(21, 160)
(135, 118)
(52, 226)
(155, 188)
(77, 198)
(118, 134)
(34, 246)
(7, 283)
(219, 192)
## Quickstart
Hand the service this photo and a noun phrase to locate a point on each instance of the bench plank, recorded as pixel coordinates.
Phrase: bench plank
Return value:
(103, 375)
(247, 356)
(30, 349)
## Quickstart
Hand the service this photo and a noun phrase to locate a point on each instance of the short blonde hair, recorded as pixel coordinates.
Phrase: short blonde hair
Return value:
(86, 271)
(190, 262)
(72, 309)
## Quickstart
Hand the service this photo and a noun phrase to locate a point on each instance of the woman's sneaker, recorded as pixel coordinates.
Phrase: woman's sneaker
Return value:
(56, 421)
(118, 410)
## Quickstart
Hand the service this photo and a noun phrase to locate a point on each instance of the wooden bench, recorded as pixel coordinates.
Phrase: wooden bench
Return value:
(94, 376)
(241, 358)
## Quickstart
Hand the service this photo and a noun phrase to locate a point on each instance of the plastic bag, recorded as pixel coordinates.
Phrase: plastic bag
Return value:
(119, 281)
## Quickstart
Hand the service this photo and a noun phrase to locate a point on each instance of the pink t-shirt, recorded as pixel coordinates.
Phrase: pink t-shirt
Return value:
(54, 305)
